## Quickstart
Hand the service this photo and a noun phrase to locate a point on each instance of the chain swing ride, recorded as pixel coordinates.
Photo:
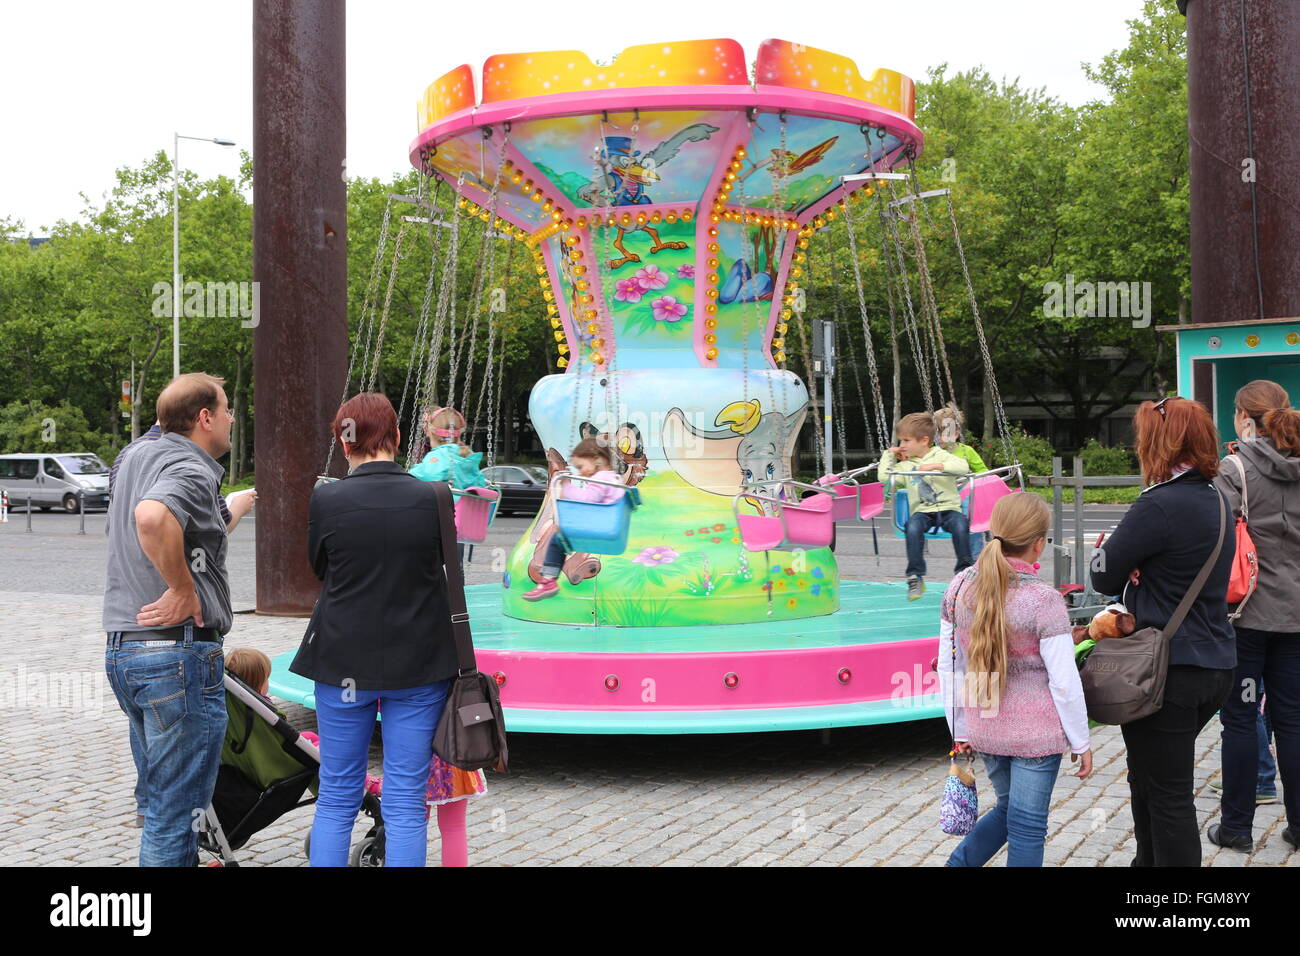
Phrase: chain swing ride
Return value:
(665, 205)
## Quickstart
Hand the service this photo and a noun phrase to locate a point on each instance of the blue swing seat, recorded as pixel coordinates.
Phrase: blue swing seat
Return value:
(595, 528)
(903, 511)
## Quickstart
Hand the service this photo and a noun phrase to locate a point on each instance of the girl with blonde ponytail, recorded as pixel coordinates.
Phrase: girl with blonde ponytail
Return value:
(1010, 685)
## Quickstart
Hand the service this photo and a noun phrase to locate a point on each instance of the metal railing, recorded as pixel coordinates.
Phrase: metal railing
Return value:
(1070, 565)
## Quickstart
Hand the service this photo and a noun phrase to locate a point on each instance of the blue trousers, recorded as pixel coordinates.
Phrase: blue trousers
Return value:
(1024, 790)
(954, 522)
(345, 718)
(174, 699)
(553, 560)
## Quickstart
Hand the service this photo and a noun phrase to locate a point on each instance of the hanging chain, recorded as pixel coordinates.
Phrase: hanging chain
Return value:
(609, 352)
(486, 270)
(365, 320)
(999, 412)
(416, 362)
(890, 223)
(368, 381)
(779, 202)
(496, 327)
(840, 431)
(497, 391)
(429, 378)
(896, 382)
(848, 341)
(869, 344)
(930, 311)
(819, 440)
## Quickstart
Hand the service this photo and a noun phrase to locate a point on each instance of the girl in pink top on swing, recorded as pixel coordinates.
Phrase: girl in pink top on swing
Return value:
(590, 459)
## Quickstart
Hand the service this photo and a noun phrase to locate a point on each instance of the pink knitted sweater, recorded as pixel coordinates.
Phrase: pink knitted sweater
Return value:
(1026, 721)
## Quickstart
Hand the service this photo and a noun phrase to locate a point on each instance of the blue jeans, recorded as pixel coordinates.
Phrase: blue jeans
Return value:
(553, 560)
(954, 522)
(172, 694)
(1024, 790)
(1272, 659)
(1267, 765)
(345, 719)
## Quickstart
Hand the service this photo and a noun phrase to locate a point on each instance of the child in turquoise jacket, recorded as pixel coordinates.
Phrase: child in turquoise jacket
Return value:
(448, 460)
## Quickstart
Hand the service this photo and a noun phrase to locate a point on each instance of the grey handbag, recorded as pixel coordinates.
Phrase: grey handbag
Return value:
(471, 733)
(1124, 677)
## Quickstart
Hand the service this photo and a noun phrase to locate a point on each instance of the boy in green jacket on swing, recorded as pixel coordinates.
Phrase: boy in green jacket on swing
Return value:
(933, 500)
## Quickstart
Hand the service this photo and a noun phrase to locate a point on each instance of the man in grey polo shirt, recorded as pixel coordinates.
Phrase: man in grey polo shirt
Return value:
(166, 610)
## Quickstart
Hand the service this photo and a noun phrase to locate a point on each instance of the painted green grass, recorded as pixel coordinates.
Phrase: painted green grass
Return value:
(692, 569)
(634, 322)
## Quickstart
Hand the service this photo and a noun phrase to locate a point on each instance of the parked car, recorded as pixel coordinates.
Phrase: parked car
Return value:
(55, 480)
(522, 487)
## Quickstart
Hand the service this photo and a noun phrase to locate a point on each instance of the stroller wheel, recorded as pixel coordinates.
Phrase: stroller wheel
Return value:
(306, 845)
(366, 853)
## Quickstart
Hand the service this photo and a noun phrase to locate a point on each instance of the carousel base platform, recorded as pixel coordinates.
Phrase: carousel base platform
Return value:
(871, 662)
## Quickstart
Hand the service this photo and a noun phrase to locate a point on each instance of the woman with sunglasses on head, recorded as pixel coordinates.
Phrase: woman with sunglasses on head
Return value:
(1153, 557)
(1267, 621)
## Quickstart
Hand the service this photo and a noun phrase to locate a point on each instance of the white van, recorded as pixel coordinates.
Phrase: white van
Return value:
(54, 480)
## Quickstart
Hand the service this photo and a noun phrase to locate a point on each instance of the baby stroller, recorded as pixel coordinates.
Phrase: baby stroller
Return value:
(268, 769)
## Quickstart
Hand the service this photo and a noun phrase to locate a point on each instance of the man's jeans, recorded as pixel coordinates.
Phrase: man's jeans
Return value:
(1024, 790)
(954, 522)
(172, 694)
(1272, 660)
(345, 718)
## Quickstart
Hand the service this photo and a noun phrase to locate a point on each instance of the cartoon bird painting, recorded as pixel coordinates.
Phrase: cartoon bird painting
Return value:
(783, 163)
(755, 282)
(626, 173)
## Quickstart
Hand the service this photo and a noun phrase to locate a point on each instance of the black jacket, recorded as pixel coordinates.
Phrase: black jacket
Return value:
(382, 620)
(1168, 535)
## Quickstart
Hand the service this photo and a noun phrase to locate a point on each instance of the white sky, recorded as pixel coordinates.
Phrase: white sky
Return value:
(90, 86)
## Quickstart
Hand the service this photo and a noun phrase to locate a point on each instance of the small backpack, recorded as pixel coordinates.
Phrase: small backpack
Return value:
(1245, 566)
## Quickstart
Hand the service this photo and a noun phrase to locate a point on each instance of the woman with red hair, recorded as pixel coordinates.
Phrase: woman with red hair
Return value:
(381, 631)
(1153, 557)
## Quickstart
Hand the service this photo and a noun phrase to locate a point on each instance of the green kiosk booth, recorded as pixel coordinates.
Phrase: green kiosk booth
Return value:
(1217, 358)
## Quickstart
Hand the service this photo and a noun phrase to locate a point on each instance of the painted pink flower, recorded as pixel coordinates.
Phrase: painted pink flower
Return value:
(686, 272)
(651, 277)
(668, 309)
(653, 557)
(628, 290)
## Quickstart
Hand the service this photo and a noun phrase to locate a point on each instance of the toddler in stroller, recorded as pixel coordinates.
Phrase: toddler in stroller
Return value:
(270, 752)
(267, 769)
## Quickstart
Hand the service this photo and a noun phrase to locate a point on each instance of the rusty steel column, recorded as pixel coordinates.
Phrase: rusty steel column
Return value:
(300, 261)
(1243, 92)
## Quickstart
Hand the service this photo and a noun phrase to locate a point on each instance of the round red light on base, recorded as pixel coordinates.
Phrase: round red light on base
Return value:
(611, 682)
(731, 680)
(844, 676)
(500, 678)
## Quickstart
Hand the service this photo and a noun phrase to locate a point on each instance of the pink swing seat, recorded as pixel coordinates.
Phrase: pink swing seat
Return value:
(475, 509)
(984, 493)
(809, 524)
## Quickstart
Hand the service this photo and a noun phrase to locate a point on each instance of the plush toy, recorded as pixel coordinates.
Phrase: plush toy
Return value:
(1112, 621)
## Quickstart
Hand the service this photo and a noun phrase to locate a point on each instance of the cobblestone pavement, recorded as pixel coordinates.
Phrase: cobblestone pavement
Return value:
(858, 796)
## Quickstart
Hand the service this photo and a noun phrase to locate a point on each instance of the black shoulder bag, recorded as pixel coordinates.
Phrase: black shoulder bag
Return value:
(1124, 677)
(472, 731)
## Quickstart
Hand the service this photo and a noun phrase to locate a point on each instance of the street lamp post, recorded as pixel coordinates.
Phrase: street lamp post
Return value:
(176, 241)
